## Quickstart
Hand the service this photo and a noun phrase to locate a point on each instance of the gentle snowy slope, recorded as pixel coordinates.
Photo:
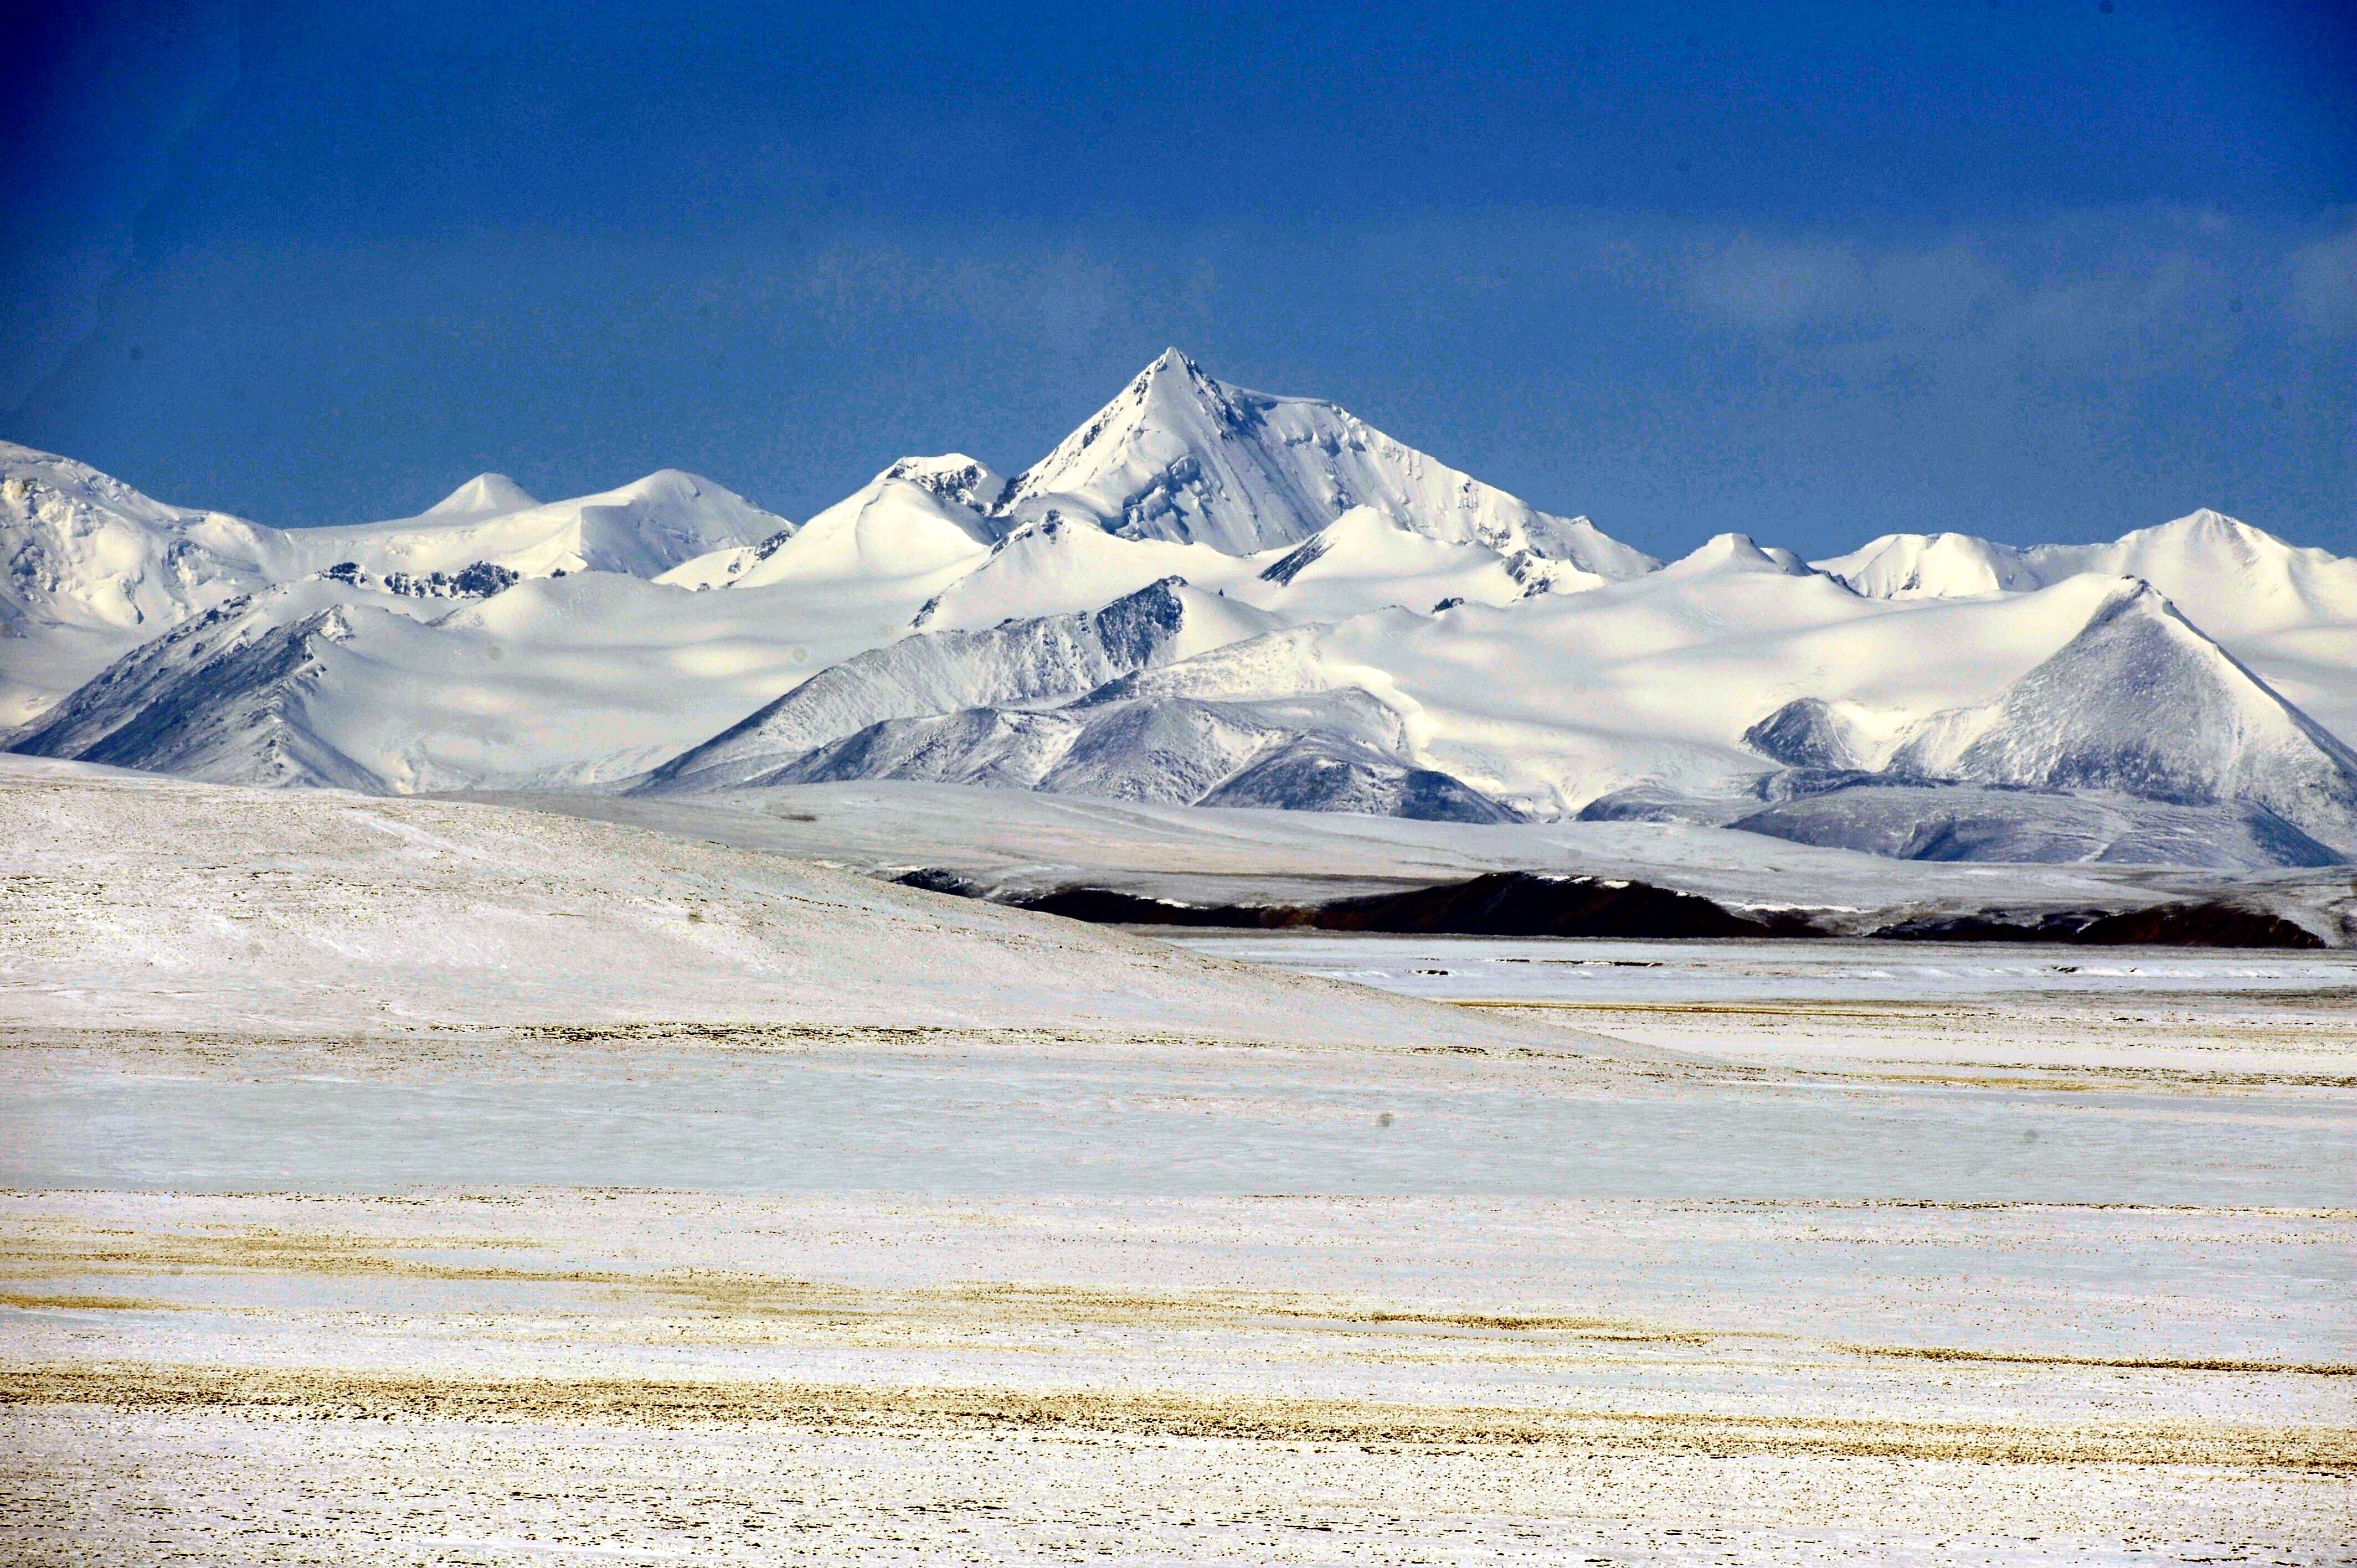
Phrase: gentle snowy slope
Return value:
(1335, 622)
(917, 521)
(590, 678)
(1935, 566)
(1361, 561)
(1664, 693)
(1553, 701)
(642, 529)
(140, 900)
(2289, 613)
(2233, 580)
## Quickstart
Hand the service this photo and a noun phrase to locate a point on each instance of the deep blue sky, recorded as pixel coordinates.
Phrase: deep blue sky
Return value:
(1815, 272)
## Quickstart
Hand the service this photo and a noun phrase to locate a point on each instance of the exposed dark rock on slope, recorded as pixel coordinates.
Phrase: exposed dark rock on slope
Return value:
(1522, 904)
(1501, 904)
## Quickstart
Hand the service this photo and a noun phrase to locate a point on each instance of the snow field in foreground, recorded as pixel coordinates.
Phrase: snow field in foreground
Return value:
(415, 1182)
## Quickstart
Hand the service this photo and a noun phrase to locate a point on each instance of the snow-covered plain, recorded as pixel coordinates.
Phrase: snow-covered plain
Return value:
(429, 1181)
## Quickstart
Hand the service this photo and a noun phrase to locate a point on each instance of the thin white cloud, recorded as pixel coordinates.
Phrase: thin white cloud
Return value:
(2324, 286)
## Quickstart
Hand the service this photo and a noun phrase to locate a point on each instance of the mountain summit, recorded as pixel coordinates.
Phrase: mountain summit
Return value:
(483, 493)
(1181, 457)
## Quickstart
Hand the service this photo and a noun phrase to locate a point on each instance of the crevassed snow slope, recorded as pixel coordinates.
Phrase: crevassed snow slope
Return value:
(143, 900)
(86, 549)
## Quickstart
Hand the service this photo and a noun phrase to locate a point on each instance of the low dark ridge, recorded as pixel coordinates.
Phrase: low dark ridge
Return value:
(2208, 925)
(1518, 904)
(1499, 904)
(1521, 904)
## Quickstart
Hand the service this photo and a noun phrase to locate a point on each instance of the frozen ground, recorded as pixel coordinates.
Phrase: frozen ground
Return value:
(2010, 1012)
(660, 1252)
(1015, 841)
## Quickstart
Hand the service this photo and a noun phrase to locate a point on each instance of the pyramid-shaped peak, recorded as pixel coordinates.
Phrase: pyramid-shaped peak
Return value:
(1174, 377)
(484, 493)
(1183, 458)
(1173, 362)
(2129, 599)
(2142, 701)
(2133, 594)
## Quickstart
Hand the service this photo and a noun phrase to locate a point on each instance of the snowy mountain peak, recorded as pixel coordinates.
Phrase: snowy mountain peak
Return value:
(1173, 360)
(2141, 703)
(1738, 552)
(89, 566)
(1932, 565)
(483, 493)
(643, 529)
(1175, 376)
(1181, 457)
(2230, 578)
(2211, 521)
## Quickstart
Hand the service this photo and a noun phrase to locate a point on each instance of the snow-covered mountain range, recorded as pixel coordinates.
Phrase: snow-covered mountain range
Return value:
(1207, 596)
